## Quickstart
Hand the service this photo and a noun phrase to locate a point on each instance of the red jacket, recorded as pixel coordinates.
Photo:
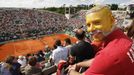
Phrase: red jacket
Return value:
(116, 58)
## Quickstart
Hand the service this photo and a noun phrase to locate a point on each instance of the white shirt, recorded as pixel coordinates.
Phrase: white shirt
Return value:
(22, 62)
(60, 53)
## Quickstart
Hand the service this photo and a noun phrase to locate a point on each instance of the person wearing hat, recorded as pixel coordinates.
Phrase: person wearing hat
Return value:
(117, 55)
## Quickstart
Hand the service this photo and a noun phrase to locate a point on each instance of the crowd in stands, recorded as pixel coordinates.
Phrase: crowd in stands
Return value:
(25, 23)
(31, 23)
(25, 64)
(120, 17)
(39, 62)
(56, 59)
(76, 20)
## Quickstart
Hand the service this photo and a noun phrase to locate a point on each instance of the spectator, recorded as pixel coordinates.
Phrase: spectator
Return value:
(10, 66)
(22, 61)
(68, 44)
(82, 50)
(130, 32)
(115, 58)
(31, 68)
(60, 53)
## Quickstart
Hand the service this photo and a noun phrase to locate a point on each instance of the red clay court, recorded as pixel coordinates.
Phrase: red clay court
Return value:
(24, 47)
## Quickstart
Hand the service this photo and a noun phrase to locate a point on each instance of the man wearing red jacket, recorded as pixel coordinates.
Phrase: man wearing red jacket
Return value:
(116, 57)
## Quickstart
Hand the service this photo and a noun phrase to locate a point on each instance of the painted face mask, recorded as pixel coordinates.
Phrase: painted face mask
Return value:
(99, 20)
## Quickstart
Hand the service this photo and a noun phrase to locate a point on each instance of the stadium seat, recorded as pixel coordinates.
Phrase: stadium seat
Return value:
(50, 70)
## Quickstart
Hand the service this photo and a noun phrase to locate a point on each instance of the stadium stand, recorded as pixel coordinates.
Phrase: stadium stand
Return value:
(28, 23)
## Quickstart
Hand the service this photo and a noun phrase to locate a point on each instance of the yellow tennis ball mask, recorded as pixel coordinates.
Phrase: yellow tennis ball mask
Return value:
(99, 19)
